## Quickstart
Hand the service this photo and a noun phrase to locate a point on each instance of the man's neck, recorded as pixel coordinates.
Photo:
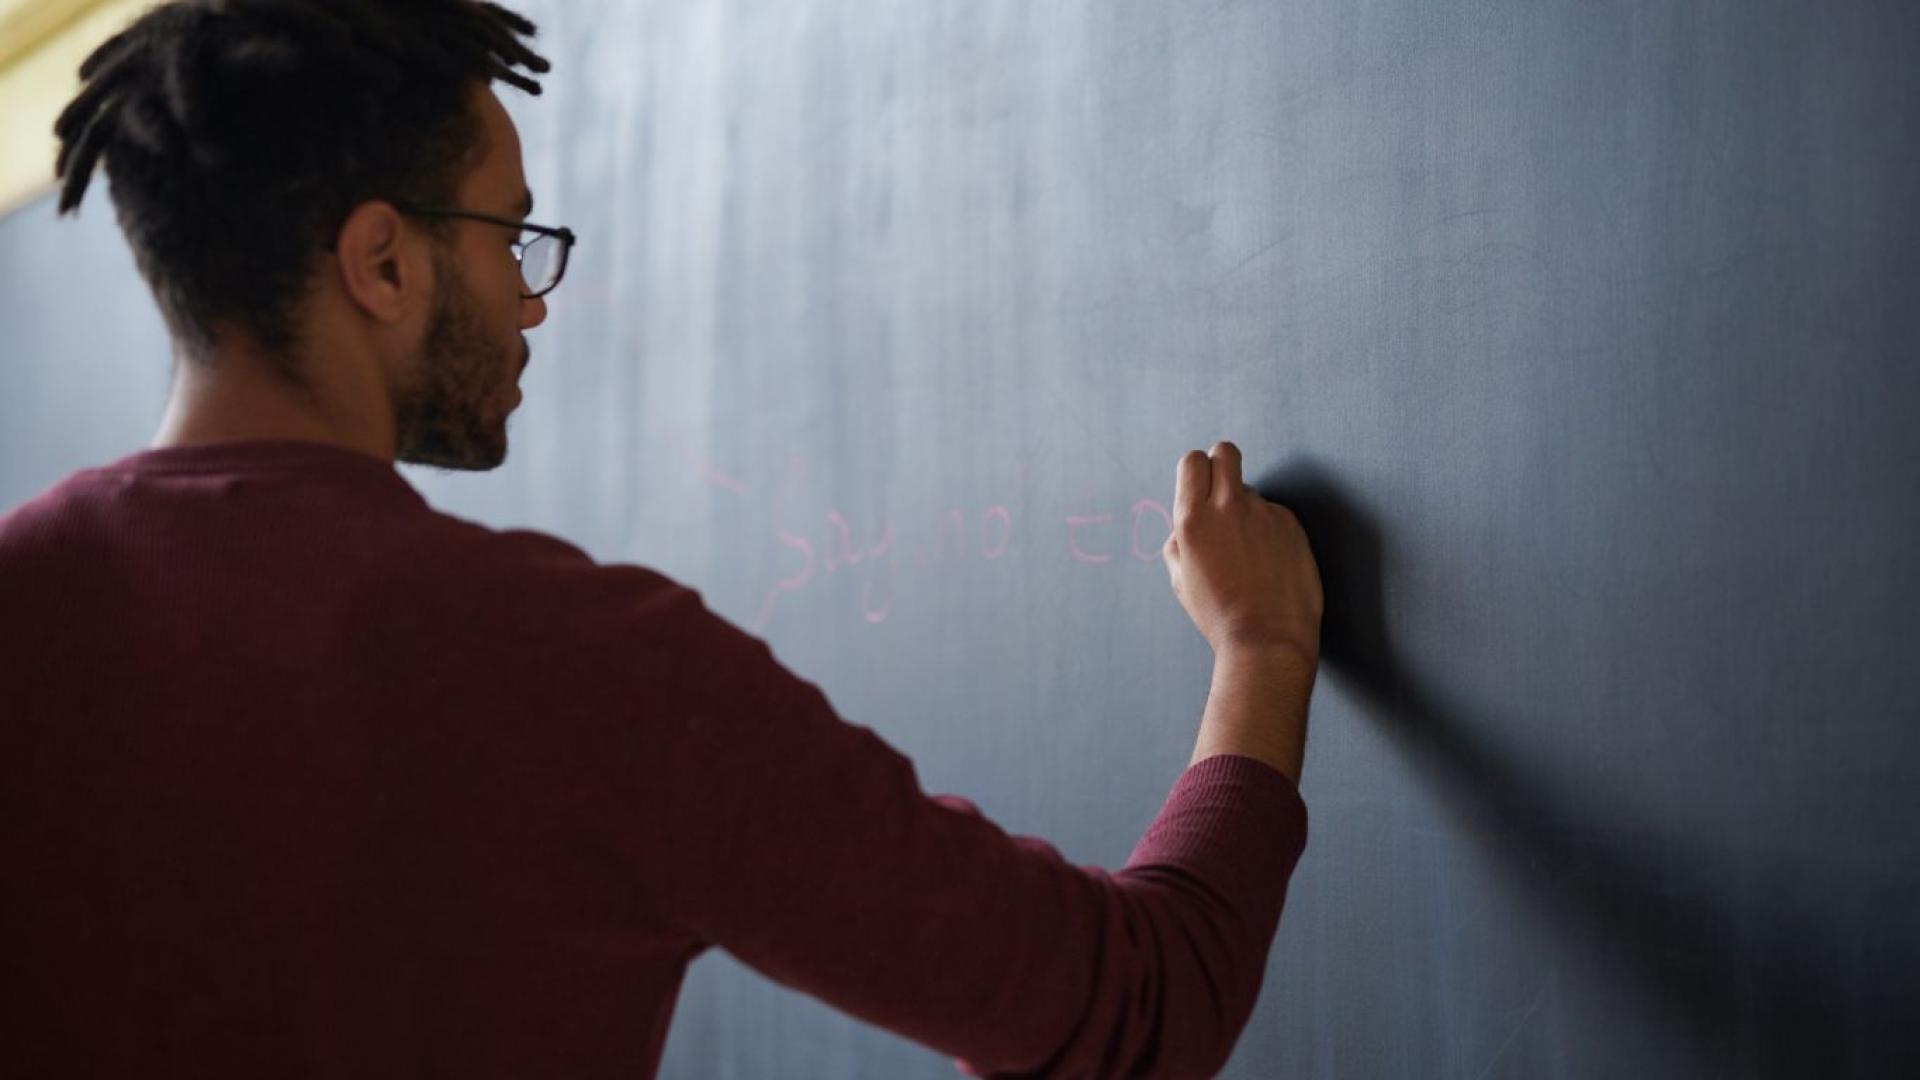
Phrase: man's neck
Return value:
(233, 400)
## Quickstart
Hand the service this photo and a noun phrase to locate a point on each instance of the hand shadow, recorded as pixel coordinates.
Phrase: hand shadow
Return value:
(1761, 988)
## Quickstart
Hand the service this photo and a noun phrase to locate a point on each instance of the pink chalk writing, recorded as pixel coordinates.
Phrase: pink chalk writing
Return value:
(868, 610)
(702, 465)
(848, 555)
(1076, 522)
(1000, 514)
(1140, 510)
(796, 471)
(871, 549)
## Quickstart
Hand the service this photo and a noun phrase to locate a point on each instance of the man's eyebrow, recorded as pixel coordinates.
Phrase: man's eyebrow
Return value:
(526, 204)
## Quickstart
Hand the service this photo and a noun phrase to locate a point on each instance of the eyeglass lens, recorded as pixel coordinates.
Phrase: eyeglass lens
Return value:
(540, 264)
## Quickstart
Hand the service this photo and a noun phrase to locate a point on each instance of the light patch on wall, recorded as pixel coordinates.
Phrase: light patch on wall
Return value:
(41, 45)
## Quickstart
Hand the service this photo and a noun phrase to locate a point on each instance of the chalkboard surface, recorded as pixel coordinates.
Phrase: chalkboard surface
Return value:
(1583, 338)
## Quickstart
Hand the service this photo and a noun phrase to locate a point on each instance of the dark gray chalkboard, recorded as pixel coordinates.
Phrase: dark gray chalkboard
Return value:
(1582, 335)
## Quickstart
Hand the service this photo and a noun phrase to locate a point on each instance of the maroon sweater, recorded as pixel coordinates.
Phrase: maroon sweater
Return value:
(302, 778)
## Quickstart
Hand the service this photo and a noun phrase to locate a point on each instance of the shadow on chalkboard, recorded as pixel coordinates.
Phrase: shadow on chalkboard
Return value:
(1762, 987)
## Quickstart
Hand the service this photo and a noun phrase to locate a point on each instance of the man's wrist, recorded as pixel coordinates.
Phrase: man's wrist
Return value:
(1257, 707)
(1268, 653)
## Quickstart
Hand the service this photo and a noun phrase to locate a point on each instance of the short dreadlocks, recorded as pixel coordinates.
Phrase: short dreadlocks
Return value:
(239, 134)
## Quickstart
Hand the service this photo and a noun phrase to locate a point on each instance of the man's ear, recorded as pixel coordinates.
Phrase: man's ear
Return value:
(384, 268)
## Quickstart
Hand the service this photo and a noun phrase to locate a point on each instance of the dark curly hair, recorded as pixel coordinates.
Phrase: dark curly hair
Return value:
(239, 134)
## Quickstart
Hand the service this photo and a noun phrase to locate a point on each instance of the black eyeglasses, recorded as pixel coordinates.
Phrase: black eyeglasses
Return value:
(543, 259)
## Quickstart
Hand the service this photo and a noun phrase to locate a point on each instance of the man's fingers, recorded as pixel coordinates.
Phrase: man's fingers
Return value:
(1226, 473)
(1192, 482)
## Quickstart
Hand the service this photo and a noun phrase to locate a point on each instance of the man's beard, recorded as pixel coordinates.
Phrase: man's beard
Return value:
(446, 414)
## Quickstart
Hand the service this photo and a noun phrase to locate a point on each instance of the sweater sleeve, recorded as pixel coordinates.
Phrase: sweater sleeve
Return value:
(803, 845)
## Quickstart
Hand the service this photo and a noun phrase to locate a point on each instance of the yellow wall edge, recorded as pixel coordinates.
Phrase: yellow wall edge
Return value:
(41, 45)
(24, 24)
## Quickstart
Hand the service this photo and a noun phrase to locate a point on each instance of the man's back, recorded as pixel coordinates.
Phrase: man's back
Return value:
(283, 772)
(304, 778)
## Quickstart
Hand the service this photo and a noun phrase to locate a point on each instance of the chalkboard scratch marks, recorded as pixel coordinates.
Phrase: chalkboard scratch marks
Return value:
(1474, 911)
(1068, 409)
(1728, 262)
(1519, 1025)
(1248, 261)
(1467, 214)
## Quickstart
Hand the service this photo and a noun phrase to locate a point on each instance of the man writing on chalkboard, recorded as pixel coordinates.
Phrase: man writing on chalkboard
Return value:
(302, 777)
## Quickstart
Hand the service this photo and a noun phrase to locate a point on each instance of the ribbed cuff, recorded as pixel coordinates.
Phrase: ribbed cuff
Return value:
(1236, 823)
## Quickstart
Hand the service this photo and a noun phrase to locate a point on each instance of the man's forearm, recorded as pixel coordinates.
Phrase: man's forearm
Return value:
(1257, 707)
